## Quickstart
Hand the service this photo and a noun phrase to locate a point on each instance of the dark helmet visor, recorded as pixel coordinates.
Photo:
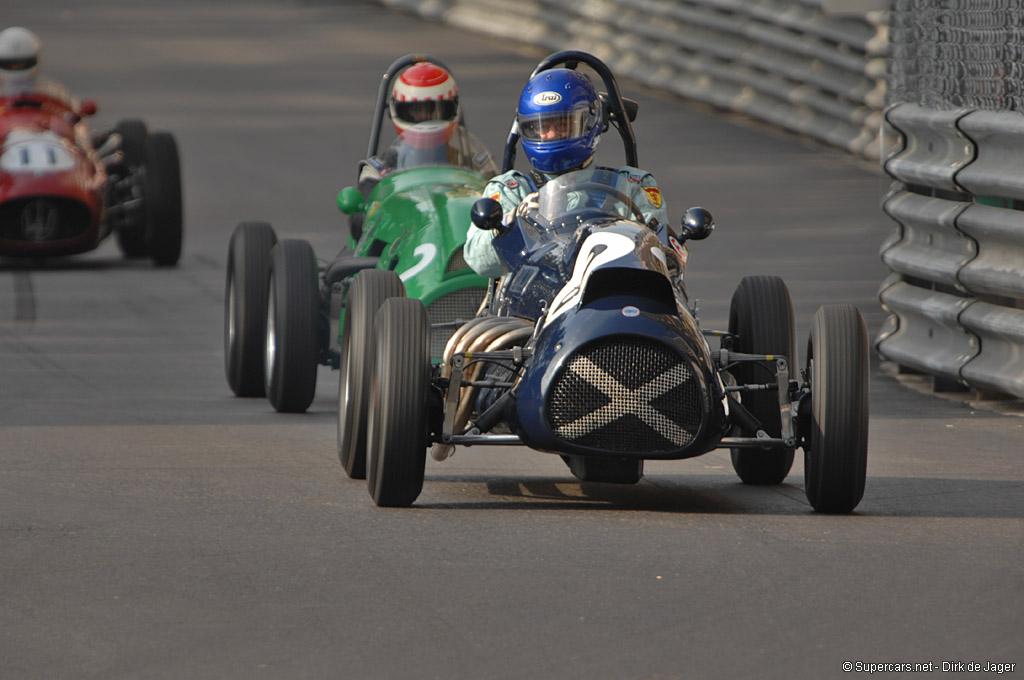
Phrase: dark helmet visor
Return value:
(417, 112)
(20, 64)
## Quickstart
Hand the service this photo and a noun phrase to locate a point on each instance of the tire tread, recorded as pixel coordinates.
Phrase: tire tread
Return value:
(293, 280)
(835, 465)
(397, 442)
(249, 263)
(761, 314)
(367, 293)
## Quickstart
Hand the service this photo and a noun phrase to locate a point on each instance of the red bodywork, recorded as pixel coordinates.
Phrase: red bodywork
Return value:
(53, 189)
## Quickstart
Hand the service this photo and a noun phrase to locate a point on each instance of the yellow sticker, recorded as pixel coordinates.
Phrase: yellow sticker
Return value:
(653, 195)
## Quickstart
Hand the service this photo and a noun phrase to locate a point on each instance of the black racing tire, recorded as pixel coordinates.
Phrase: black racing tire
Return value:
(245, 307)
(397, 435)
(761, 317)
(133, 135)
(162, 199)
(132, 239)
(367, 293)
(836, 450)
(605, 470)
(293, 307)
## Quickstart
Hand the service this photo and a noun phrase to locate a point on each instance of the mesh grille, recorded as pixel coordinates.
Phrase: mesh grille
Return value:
(458, 262)
(459, 305)
(626, 394)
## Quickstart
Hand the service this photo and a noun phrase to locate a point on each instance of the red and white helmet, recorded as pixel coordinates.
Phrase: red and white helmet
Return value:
(425, 105)
(19, 60)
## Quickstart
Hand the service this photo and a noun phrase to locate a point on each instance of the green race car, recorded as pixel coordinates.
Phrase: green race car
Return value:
(285, 312)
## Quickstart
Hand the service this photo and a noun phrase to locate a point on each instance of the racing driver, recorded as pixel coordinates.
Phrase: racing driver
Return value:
(424, 108)
(560, 120)
(20, 84)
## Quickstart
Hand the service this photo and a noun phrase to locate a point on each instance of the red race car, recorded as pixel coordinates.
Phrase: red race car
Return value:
(64, 188)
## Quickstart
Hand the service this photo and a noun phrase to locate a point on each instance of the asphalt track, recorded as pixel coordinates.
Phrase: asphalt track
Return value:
(153, 526)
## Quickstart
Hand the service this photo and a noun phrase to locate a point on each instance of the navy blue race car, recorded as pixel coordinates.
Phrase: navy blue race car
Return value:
(589, 348)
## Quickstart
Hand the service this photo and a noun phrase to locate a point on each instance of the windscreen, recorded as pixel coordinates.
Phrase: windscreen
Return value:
(432, 145)
(569, 199)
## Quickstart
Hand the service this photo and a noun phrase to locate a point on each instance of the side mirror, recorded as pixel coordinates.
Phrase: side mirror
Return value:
(350, 201)
(486, 214)
(629, 106)
(87, 107)
(697, 224)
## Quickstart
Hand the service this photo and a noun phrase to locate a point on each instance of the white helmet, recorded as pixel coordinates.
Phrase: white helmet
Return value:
(19, 60)
(425, 105)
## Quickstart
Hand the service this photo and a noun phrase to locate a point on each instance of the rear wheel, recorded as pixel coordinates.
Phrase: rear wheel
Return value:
(761, 319)
(291, 338)
(397, 419)
(245, 306)
(836, 450)
(162, 195)
(367, 293)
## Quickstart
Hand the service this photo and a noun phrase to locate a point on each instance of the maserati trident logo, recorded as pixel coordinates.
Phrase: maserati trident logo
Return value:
(39, 220)
(624, 401)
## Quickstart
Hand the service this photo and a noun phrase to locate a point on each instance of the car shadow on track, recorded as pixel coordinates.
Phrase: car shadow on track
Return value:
(895, 497)
(701, 494)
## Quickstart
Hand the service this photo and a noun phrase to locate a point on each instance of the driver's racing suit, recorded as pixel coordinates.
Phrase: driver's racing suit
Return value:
(510, 188)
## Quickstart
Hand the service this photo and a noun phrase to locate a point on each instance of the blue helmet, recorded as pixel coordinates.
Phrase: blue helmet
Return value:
(559, 120)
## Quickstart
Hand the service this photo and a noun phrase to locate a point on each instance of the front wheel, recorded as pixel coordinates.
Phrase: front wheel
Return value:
(162, 195)
(836, 447)
(291, 339)
(245, 306)
(365, 296)
(131, 235)
(397, 436)
(762, 322)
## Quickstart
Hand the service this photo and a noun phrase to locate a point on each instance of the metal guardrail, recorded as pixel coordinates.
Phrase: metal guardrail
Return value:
(956, 295)
(787, 62)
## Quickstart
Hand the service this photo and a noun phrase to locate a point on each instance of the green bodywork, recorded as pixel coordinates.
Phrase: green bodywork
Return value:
(415, 221)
